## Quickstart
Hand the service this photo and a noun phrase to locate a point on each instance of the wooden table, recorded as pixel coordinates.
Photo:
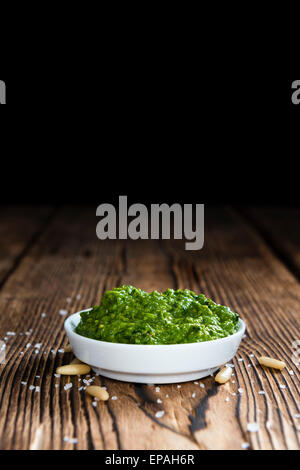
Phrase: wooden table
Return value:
(51, 260)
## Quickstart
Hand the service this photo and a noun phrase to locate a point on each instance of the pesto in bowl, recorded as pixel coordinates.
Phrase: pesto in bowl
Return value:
(132, 316)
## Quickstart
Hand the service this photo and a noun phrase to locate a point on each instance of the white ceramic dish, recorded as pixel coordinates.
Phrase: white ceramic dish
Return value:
(153, 364)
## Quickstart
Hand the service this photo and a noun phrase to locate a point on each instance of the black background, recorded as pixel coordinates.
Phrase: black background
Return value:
(155, 134)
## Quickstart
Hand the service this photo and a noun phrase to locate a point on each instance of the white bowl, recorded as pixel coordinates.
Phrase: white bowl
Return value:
(153, 364)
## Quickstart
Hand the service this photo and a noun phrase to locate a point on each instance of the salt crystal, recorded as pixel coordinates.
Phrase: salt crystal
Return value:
(261, 392)
(73, 440)
(193, 395)
(202, 385)
(167, 396)
(157, 389)
(227, 399)
(37, 351)
(249, 365)
(245, 445)
(68, 300)
(61, 350)
(31, 387)
(233, 394)
(253, 427)
(196, 383)
(94, 403)
(56, 385)
(251, 355)
(66, 439)
(178, 386)
(291, 372)
(43, 315)
(38, 345)
(28, 345)
(233, 381)
(5, 338)
(240, 390)
(230, 365)
(56, 375)
(63, 312)
(159, 400)
(78, 297)
(37, 389)
(37, 376)
(159, 414)
(67, 386)
(283, 387)
(10, 333)
(24, 383)
(114, 398)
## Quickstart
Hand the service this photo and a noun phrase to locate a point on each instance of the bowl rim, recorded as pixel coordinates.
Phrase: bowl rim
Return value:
(70, 331)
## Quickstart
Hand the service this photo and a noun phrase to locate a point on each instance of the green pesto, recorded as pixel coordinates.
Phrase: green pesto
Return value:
(130, 315)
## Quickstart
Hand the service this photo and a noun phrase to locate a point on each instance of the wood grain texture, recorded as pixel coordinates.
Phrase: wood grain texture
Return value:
(67, 267)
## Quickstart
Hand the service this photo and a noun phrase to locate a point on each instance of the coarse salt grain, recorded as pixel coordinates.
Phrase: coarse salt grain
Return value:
(202, 385)
(31, 387)
(240, 390)
(61, 350)
(178, 386)
(28, 345)
(43, 315)
(159, 414)
(230, 365)
(68, 300)
(56, 375)
(66, 438)
(78, 297)
(245, 445)
(63, 312)
(37, 388)
(114, 398)
(253, 427)
(167, 396)
(251, 355)
(193, 395)
(67, 386)
(159, 400)
(291, 372)
(10, 333)
(24, 383)
(196, 383)
(157, 389)
(283, 387)
(94, 403)
(261, 392)
(227, 399)
(73, 440)
(38, 345)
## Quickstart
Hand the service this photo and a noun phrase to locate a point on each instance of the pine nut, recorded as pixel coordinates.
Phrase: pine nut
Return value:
(273, 363)
(73, 369)
(68, 348)
(224, 375)
(76, 361)
(98, 392)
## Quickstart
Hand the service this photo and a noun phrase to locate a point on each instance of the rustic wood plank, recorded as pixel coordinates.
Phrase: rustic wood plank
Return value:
(19, 225)
(69, 268)
(280, 226)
